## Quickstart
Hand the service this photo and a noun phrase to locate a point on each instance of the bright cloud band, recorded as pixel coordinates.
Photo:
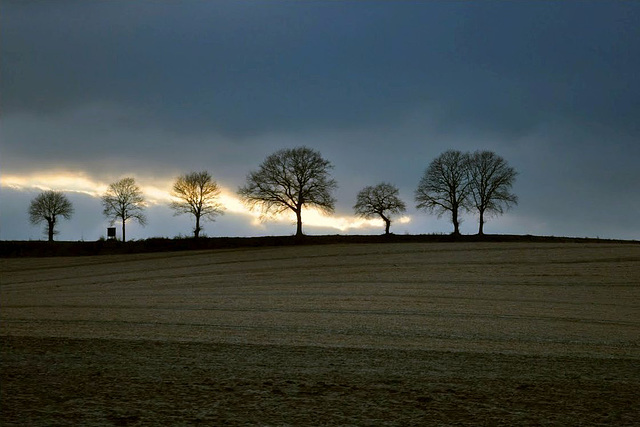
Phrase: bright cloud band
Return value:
(79, 182)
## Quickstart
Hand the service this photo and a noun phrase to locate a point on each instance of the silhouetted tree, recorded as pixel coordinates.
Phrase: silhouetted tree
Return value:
(124, 201)
(381, 200)
(444, 187)
(490, 181)
(291, 179)
(198, 194)
(48, 206)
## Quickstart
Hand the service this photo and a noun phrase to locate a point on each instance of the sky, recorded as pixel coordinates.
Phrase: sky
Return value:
(94, 91)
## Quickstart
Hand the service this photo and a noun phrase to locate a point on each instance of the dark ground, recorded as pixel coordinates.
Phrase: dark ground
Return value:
(494, 334)
(10, 249)
(55, 381)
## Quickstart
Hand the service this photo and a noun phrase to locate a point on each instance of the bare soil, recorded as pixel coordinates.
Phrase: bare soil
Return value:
(360, 334)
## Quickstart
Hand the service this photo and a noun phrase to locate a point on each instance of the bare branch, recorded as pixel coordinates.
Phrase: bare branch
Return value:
(198, 195)
(124, 201)
(381, 200)
(444, 187)
(290, 179)
(490, 179)
(48, 206)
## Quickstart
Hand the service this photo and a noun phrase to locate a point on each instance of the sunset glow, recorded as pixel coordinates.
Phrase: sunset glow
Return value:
(344, 223)
(61, 181)
(158, 195)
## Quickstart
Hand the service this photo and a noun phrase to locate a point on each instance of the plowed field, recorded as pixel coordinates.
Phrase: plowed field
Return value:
(358, 334)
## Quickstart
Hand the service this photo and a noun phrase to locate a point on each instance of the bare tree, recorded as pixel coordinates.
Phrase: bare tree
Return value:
(382, 200)
(490, 179)
(48, 206)
(444, 187)
(124, 201)
(291, 179)
(198, 194)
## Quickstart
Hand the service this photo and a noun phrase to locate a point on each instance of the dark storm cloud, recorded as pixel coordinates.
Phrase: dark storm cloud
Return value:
(244, 67)
(235, 67)
(380, 88)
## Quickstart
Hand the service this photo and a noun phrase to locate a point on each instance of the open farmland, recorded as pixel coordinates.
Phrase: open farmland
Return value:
(359, 334)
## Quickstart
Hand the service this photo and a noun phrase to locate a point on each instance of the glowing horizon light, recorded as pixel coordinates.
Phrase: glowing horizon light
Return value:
(158, 192)
(404, 219)
(77, 182)
(155, 195)
(315, 217)
(232, 203)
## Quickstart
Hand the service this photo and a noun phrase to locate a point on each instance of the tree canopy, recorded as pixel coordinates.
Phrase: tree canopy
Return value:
(48, 206)
(381, 200)
(124, 201)
(457, 181)
(490, 181)
(444, 187)
(197, 194)
(291, 179)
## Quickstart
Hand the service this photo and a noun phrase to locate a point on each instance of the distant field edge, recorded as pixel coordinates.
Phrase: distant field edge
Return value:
(13, 249)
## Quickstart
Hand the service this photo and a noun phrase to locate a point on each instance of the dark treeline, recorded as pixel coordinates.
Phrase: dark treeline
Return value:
(292, 179)
(12, 249)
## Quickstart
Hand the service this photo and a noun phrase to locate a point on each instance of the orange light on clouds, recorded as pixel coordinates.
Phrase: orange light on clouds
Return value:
(158, 192)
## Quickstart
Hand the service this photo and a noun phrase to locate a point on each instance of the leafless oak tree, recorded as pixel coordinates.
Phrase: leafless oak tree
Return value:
(381, 200)
(444, 187)
(124, 201)
(490, 181)
(291, 179)
(48, 206)
(198, 195)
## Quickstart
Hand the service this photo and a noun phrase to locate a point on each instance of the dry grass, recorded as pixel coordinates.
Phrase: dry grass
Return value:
(395, 334)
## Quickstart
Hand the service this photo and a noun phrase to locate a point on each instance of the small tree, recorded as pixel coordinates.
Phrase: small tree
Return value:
(124, 201)
(48, 206)
(444, 187)
(490, 181)
(197, 193)
(381, 200)
(291, 179)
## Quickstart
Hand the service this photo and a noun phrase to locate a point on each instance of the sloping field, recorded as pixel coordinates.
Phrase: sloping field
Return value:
(371, 334)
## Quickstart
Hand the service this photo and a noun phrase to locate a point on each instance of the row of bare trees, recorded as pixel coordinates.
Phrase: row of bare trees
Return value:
(292, 179)
(457, 181)
(195, 193)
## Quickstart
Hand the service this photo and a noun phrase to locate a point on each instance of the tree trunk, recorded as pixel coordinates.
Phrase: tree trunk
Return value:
(196, 232)
(456, 226)
(124, 239)
(481, 226)
(51, 223)
(387, 224)
(299, 220)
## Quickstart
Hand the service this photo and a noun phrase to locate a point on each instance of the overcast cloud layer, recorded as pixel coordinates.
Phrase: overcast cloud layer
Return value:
(155, 89)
